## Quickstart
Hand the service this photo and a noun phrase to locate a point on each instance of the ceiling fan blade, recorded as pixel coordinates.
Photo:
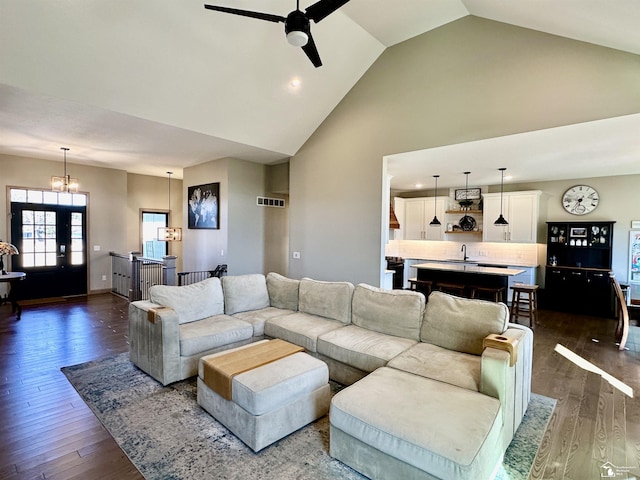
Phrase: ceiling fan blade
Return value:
(312, 52)
(323, 8)
(247, 13)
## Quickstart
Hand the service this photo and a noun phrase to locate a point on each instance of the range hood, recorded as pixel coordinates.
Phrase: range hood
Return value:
(393, 220)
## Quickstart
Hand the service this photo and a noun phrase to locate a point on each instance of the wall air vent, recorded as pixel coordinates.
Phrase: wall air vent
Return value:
(270, 202)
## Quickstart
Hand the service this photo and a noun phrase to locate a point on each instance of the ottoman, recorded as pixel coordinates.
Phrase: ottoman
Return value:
(394, 424)
(271, 401)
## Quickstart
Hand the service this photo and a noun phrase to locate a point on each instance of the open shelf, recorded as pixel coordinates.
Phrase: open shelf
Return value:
(462, 212)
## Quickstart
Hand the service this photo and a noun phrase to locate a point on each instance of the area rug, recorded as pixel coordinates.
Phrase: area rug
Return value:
(168, 436)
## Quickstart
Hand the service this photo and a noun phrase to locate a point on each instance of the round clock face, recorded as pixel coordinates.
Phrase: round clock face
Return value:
(580, 200)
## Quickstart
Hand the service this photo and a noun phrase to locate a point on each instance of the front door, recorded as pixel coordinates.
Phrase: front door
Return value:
(52, 244)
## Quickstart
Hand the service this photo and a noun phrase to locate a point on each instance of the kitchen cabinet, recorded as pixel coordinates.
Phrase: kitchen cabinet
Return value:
(521, 209)
(418, 213)
(579, 290)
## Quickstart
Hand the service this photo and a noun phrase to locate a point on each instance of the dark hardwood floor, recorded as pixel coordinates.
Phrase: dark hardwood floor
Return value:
(47, 432)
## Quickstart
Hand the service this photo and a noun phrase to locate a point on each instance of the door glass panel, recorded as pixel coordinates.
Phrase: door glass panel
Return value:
(38, 238)
(77, 243)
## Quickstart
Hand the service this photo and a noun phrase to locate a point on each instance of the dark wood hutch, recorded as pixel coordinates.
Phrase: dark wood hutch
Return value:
(577, 278)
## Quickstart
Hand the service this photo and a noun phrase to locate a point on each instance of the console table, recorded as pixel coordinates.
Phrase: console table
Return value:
(11, 279)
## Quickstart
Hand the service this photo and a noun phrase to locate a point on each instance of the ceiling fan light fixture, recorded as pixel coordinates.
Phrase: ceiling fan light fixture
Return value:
(297, 38)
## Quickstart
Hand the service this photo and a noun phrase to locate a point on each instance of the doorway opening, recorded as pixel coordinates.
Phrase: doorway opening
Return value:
(50, 231)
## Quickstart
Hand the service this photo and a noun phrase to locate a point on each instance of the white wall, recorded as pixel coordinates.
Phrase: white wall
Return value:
(468, 80)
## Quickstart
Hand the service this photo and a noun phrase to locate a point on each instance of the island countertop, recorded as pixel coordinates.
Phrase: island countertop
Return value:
(461, 268)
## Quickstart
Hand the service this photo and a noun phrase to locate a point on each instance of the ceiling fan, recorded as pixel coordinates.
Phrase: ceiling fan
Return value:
(296, 24)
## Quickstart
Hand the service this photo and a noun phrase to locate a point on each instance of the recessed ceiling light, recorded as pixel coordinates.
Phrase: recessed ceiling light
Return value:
(508, 177)
(418, 185)
(295, 82)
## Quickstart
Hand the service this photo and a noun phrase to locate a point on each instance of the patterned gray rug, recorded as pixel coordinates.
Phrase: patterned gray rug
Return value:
(167, 435)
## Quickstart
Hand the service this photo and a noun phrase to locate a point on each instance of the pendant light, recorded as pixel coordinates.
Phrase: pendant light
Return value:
(501, 220)
(435, 222)
(169, 234)
(65, 183)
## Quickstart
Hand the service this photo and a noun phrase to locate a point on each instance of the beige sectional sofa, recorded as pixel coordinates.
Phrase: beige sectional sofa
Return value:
(425, 398)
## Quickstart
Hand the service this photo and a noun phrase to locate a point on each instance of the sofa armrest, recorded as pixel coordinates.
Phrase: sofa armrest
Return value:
(508, 382)
(154, 340)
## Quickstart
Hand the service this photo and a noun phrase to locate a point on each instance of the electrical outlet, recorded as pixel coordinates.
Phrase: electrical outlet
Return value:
(104, 278)
(296, 255)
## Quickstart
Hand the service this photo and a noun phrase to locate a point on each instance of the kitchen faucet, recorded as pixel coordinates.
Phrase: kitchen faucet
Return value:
(464, 249)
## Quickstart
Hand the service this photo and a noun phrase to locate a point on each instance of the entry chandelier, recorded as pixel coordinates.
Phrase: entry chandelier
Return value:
(64, 183)
(435, 222)
(169, 234)
(6, 249)
(501, 220)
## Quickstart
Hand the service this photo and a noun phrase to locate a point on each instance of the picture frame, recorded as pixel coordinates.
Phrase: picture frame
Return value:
(203, 206)
(468, 193)
(578, 232)
(634, 257)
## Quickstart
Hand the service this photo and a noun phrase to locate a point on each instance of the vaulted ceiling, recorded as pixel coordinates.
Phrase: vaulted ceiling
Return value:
(149, 86)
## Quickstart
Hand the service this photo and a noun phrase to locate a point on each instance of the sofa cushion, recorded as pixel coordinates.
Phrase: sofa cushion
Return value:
(437, 363)
(279, 383)
(394, 312)
(257, 318)
(461, 324)
(361, 348)
(244, 292)
(191, 302)
(212, 332)
(446, 431)
(300, 328)
(283, 291)
(331, 300)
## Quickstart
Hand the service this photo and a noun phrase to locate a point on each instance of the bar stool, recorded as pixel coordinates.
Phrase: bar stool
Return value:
(422, 286)
(495, 293)
(452, 288)
(524, 303)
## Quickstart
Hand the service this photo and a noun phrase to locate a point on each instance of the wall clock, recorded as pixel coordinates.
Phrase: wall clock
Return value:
(468, 194)
(580, 200)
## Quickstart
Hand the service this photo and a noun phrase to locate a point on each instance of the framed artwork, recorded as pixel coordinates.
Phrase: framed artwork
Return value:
(634, 256)
(578, 232)
(203, 206)
(468, 194)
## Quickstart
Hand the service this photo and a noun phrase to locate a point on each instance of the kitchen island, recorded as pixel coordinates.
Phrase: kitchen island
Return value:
(466, 276)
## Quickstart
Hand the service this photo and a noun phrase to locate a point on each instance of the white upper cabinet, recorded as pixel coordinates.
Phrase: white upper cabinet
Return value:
(520, 209)
(418, 213)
